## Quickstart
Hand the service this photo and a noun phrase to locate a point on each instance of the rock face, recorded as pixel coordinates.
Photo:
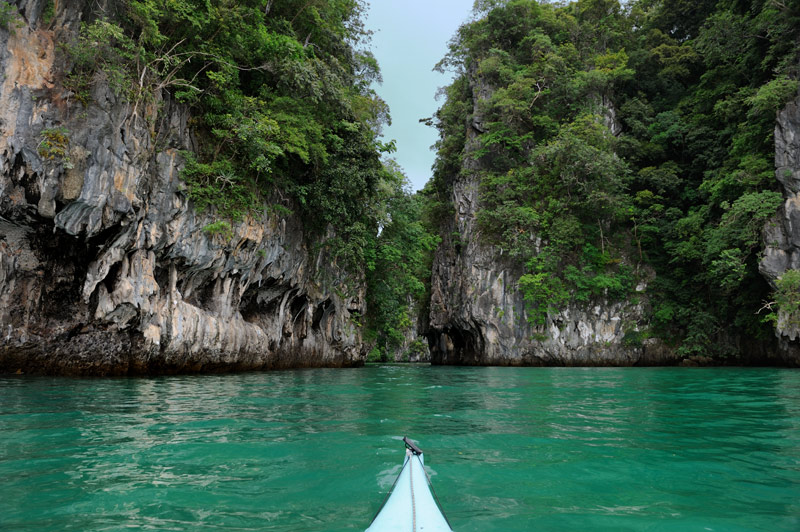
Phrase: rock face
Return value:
(105, 265)
(478, 315)
(414, 347)
(782, 233)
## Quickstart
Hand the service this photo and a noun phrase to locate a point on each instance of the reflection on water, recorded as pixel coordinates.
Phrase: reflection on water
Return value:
(509, 449)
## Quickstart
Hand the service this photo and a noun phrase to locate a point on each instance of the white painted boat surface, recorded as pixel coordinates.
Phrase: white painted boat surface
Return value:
(411, 506)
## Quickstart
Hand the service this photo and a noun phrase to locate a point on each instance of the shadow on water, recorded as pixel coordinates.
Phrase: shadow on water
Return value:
(508, 449)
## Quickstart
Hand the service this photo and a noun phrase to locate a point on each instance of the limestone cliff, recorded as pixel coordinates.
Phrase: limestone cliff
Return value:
(107, 268)
(782, 233)
(478, 315)
(414, 348)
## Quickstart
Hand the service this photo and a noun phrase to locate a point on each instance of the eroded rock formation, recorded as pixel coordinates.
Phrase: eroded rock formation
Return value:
(478, 315)
(107, 268)
(782, 233)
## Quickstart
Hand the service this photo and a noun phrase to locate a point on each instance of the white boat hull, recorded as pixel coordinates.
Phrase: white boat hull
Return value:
(411, 506)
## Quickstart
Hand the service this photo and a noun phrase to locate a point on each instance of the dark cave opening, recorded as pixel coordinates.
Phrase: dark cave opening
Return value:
(456, 345)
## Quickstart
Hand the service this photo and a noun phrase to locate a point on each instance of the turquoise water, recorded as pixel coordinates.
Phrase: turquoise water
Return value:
(558, 449)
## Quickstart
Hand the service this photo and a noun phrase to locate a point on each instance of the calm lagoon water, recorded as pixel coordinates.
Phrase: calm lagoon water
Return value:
(508, 449)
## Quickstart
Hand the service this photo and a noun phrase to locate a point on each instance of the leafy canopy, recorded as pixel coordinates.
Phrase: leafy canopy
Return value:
(610, 141)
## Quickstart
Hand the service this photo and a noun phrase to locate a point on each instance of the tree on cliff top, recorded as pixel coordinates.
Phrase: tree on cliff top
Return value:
(690, 90)
(281, 97)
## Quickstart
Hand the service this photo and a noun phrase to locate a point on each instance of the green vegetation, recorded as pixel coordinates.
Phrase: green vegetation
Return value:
(9, 17)
(49, 12)
(398, 266)
(220, 227)
(282, 106)
(608, 141)
(281, 100)
(787, 298)
(611, 138)
(215, 185)
(54, 145)
(105, 48)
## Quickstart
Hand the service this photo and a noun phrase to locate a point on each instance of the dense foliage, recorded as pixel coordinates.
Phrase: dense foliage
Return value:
(613, 140)
(610, 141)
(283, 105)
(399, 266)
(281, 95)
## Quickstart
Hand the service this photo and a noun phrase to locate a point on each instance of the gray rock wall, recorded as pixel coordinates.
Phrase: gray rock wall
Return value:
(478, 315)
(414, 347)
(106, 266)
(782, 233)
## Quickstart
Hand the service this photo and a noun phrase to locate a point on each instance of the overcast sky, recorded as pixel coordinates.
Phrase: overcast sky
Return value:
(410, 37)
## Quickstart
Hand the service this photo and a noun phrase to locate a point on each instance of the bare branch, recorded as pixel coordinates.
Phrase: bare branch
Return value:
(767, 306)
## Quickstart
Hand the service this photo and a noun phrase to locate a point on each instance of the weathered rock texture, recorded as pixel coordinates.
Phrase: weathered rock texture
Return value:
(105, 266)
(478, 315)
(414, 347)
(782, 233)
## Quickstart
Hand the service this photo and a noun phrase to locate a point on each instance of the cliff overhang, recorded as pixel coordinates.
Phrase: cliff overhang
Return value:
(106, 266)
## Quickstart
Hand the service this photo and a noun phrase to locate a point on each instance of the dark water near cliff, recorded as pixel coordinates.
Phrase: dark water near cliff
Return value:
(509, 449)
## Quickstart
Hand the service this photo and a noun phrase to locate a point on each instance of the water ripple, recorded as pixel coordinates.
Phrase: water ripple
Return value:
(558, 449)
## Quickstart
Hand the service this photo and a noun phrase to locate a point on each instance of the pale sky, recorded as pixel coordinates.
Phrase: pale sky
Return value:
(410, 37)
